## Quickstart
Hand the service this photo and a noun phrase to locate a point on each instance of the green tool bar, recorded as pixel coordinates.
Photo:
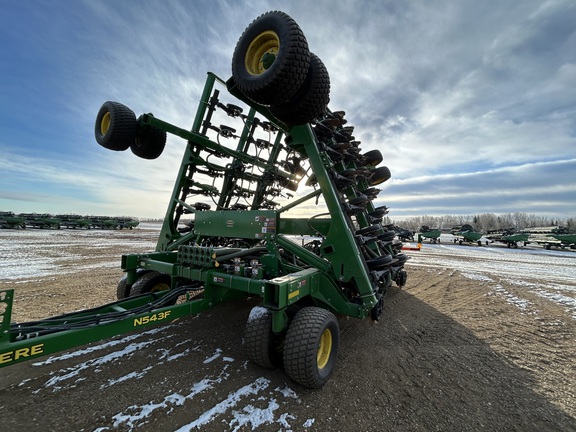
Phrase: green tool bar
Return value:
(21, 350)
(235, 282)
(300, 201)
(204, 142)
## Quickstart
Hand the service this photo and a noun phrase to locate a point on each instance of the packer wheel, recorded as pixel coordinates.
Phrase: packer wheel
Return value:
(380, 175)
(372, 158)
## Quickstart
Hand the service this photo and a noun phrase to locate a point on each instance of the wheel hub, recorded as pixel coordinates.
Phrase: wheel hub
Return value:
(324, 349)
(105, 123)
(262, 52)
(160, 287)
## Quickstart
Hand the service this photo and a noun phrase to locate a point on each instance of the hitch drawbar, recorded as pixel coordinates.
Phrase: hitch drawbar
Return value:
(25, 341)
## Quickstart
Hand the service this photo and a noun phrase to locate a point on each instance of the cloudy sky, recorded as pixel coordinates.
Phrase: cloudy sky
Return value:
(472, 103)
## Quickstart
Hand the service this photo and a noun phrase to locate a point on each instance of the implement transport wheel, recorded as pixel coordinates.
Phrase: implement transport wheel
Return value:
(261, 345)
(150, 282)
(123, 289)
(271, 59)
(115, 127)
(311, 347)
(149, 142)
(311, 100)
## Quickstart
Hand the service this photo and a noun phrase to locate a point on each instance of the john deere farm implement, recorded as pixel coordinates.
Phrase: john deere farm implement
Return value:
(263, 155)
(70, 221)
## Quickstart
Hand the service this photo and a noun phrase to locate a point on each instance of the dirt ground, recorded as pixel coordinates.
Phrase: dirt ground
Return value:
(448, 355)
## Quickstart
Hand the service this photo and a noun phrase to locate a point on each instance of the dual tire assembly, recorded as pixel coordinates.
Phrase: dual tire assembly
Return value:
(271, 65)
(307, 350)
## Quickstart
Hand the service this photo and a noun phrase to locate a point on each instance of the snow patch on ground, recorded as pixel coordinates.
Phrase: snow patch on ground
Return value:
(500, 267)
(231, 401)
(51, 252)
(256, 312)
(136, 413)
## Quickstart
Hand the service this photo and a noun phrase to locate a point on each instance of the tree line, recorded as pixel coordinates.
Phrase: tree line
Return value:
(485, 222)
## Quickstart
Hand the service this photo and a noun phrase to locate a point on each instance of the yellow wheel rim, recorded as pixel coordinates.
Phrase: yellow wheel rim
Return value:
(160, 287)
(324, 349)
(105, 123)
(262, 52)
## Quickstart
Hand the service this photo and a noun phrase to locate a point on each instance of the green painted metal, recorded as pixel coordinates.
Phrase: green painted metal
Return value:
(466, 233)
(70, 221)
(507, 236)
(42, 221)
(566, 239)
(522, 237)
(31, 340)
(10, 220)
(427, 233)
(6, 299)
(234, 228)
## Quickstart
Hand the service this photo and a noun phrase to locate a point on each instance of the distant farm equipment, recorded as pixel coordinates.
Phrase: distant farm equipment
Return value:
(507, 236)
(466, 234)
(566, 240)
(402, 233)
(9, 220)
(552, 236)
(430, 234)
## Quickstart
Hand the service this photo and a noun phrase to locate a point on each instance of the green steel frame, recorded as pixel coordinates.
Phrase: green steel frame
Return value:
(233, 251)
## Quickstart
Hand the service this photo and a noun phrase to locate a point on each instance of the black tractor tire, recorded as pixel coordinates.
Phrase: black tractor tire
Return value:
(149, 142)
(123, 288)
(271, 59)
(372, 158)
(311, 347)
(150, 282)
(310, 101)
(115, 127)
(260, 343)
(380, 175)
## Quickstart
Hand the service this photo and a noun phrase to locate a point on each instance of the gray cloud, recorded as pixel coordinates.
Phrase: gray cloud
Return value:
(472, 104)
